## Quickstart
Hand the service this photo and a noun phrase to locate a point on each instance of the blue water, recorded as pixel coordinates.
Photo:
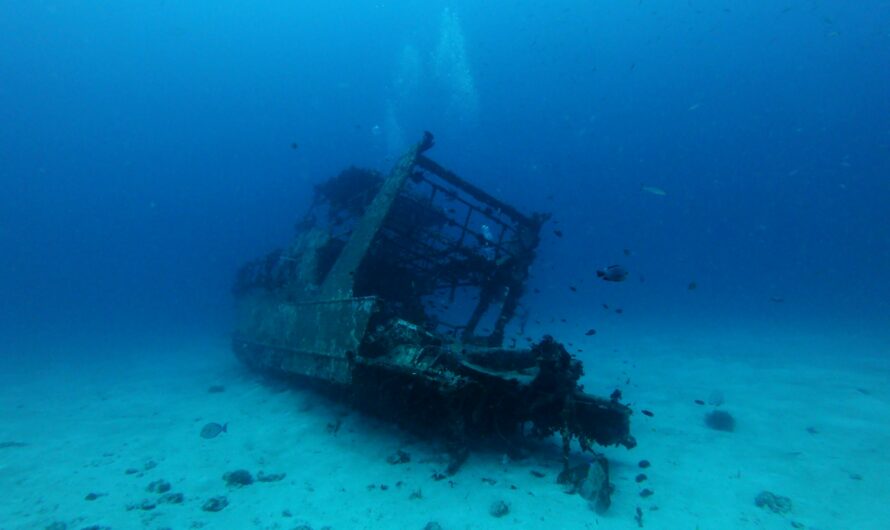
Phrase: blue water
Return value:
(145, 149)
(148, 149)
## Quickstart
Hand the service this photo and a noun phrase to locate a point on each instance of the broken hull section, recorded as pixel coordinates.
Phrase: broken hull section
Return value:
(396, 294)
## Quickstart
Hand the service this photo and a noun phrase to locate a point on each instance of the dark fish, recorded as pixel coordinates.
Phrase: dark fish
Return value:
(647, 413)
(557, 233)
(627, 252)
(699, 402)
(612, 273)
(619, 310)
(605, 306)
(212, 430)
(776, 299)
(692, 286)
(590, 332)
(616, 395)
(573, 288)
(294, 145)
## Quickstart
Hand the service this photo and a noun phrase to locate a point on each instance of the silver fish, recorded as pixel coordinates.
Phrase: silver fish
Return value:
(654, 190)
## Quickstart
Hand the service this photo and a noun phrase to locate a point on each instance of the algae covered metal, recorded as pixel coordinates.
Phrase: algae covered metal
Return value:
(397, 292)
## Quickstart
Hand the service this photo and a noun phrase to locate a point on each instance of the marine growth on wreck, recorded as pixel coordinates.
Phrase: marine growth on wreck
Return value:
(396, 293)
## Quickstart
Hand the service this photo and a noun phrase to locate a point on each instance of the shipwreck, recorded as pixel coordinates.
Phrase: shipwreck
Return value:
(398, 292)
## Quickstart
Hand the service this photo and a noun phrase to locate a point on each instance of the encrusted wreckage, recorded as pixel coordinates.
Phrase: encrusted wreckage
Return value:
(398, 291)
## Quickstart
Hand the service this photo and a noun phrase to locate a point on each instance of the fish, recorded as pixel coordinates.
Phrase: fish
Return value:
(699, 402)
(647, 413)
(212, 430)
(294, 146)
(557, 233)
(776, 299)
(619, 310)
(573, 288)
(653, 190)
(692, 286)
(616, 395)
(612, 273)
(627, 252)
(590, 332)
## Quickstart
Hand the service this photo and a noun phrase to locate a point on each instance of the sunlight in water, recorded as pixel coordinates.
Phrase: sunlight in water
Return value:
(408, 72)
(452, 69)
(393, 133)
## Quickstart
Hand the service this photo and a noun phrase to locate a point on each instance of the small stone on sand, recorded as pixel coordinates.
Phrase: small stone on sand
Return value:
(499, 509)
(215, 504)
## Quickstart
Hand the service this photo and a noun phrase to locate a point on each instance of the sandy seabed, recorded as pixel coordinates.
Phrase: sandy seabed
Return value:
(812, 412)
